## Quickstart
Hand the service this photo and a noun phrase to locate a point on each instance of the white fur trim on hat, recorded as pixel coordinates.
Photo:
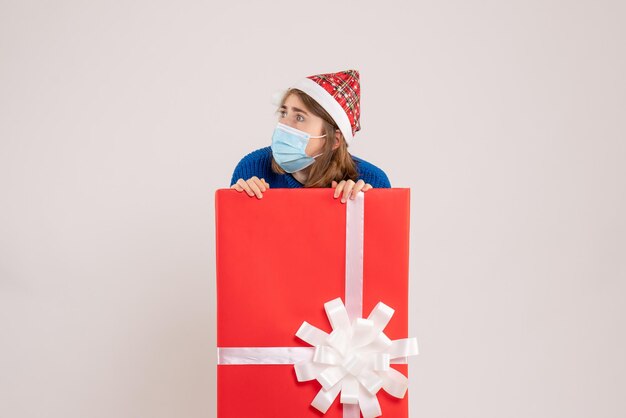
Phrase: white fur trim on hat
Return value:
(328, 102)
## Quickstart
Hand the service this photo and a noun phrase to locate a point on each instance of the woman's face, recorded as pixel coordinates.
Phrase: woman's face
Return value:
(296, 115)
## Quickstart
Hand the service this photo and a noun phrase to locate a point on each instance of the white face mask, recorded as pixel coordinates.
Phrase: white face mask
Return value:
(288, 145)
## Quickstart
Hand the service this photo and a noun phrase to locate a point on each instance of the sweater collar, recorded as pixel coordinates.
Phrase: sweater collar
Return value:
(291, 180)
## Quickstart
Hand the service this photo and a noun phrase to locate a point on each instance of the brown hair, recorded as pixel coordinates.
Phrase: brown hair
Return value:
(332, 165)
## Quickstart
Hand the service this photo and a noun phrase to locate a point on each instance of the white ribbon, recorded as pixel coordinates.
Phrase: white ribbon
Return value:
(354, 358)
(355, 221)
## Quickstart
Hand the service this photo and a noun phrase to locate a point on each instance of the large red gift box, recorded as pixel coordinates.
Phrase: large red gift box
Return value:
(279, 260)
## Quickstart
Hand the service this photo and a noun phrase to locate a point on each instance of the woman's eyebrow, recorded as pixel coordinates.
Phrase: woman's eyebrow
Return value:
(295, 109)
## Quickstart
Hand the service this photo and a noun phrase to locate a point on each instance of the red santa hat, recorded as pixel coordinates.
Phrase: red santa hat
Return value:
(338, 93)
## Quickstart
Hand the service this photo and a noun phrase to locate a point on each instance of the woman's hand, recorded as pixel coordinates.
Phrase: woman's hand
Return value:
(349, 188)
(253, 186)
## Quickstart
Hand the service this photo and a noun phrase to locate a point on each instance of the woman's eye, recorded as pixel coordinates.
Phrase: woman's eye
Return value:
(282, 114)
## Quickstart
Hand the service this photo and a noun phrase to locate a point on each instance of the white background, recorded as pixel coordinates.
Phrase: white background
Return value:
(119, 120)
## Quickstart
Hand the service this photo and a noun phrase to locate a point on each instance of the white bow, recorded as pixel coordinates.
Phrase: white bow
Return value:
(354, 359)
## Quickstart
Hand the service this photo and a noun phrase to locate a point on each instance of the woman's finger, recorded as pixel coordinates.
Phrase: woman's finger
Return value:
(367, 187)
(237, 186)
(258, 182)
(255, 188)
(339, 188)
(346, 190)
(267, 185)
(357, 188)
(242, 183)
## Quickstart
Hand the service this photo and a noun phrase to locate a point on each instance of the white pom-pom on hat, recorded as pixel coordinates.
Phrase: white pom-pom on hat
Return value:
(277, 96)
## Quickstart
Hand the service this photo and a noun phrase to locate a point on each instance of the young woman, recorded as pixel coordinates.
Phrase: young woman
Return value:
(317, 119)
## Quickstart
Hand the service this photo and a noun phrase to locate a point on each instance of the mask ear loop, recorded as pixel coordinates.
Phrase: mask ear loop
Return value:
(321, 136)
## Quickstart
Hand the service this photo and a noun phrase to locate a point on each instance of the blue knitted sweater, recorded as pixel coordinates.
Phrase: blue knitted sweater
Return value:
(259, 163)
